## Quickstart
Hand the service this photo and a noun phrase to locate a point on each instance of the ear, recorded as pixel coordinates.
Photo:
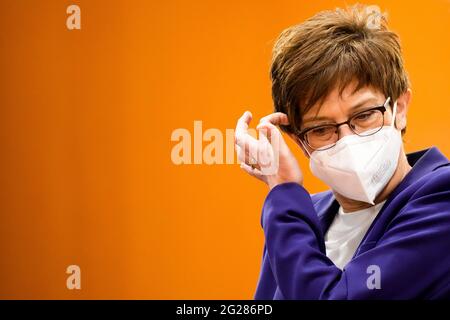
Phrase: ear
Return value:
(402, 109)
(298, 142)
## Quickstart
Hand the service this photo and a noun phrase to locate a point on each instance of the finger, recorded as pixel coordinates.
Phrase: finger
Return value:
(248, 145)
(252, 171)
(242, 138)
(277, 118)
(265, 154)
(269, 139)
(244, 157)
(267, 131)
(242, 123)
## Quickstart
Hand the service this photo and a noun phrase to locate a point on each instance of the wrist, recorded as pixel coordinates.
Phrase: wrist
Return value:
(272, 182)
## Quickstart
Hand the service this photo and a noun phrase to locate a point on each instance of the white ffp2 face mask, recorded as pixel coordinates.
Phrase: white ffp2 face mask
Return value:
(360, 167)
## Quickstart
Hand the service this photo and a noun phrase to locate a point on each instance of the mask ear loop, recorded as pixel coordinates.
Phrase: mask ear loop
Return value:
(304, 147)
(394, 114)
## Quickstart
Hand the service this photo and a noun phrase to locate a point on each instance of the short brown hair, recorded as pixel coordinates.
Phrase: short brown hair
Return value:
(331, 49)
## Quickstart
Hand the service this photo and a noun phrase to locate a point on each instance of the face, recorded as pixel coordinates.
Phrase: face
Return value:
(337, 108)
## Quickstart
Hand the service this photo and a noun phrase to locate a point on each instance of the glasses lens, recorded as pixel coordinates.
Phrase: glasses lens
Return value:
(367, 122)
(321, 137)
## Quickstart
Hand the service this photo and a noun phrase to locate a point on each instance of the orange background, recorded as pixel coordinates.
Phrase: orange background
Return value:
(85, 126)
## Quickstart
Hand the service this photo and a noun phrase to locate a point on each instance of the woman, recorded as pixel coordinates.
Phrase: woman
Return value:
(382, 231)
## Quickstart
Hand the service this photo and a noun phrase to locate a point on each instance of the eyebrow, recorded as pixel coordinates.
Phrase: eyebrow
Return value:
(352, 110)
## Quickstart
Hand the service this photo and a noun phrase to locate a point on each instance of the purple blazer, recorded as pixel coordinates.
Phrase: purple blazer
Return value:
(407, 247)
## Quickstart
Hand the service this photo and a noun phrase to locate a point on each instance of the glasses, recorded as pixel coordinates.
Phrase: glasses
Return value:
(364, 123)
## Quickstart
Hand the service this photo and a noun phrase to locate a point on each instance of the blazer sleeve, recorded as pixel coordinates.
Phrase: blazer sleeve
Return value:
(410, 258)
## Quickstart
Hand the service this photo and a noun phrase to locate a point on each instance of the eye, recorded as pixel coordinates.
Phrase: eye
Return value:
(364, 115)
(322, 131)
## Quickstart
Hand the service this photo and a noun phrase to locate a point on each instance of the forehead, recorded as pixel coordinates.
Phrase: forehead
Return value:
(340, 103)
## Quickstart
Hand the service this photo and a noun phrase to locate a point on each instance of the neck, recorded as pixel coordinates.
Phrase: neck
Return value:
(350, 205)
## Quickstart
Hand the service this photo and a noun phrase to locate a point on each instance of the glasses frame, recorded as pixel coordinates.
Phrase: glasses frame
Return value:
(381, 108)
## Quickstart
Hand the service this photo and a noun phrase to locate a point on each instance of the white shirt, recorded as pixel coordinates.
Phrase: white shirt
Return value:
(346, 232)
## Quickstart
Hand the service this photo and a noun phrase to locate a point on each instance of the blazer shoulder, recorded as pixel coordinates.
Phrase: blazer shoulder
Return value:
(436, 181)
